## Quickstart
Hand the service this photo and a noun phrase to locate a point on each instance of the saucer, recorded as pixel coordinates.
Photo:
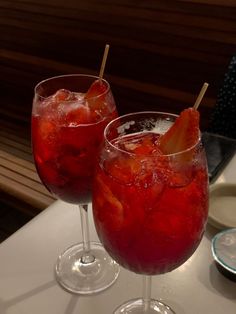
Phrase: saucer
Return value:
(222, 205)
(223, 249)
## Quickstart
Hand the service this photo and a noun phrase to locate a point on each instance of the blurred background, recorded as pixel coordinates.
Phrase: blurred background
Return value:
(161, 52)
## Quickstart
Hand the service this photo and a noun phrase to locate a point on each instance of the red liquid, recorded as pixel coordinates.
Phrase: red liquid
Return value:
(149, 214)
(66, 136)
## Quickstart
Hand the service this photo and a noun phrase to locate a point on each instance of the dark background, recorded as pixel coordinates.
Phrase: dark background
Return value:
(161, 51)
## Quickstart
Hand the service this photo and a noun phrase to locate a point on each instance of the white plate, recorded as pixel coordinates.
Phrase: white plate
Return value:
(222, 205)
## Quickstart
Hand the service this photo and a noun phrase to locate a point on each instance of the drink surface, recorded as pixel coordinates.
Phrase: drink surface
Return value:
(150, 210)
(67, 131)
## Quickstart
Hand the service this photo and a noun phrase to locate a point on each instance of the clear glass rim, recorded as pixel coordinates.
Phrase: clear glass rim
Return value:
(143, 113)
(72, 75)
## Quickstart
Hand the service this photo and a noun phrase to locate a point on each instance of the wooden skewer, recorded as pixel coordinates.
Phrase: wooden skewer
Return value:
(104, 59)
(200, 96)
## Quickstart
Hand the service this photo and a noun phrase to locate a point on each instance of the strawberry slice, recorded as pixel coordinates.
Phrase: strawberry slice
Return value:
(97, 100)
(97, 88)
(183, 134)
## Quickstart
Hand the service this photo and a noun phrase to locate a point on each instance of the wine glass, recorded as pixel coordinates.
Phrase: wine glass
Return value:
(149, 209)
(69, 115)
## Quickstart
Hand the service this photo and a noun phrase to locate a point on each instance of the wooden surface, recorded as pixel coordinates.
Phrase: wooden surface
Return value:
(160, 54)
(20, 186)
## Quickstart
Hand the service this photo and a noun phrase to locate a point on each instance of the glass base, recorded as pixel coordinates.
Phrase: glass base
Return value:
(136, 306)
(83, 274)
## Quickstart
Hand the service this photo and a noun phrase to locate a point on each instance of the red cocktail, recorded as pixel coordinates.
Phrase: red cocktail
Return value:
(68, 119)
(150, 208)
(67, 132)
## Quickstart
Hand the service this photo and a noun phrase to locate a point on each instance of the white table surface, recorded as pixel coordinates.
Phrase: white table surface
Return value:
(28, 286)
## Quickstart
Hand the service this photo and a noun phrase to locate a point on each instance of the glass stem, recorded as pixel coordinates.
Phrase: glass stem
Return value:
(146, 293)
(87, 256)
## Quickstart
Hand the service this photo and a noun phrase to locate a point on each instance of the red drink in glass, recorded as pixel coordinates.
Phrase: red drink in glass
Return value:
(150, 209)
(69, 115)
(66, 135)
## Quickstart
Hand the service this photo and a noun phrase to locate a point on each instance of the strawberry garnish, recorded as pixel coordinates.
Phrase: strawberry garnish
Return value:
(97, 100)
(97, 88)
(183, 134)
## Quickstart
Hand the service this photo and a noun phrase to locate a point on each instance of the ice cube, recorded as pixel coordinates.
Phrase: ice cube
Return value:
(161, 126)
(77, 113)
(64, 95)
